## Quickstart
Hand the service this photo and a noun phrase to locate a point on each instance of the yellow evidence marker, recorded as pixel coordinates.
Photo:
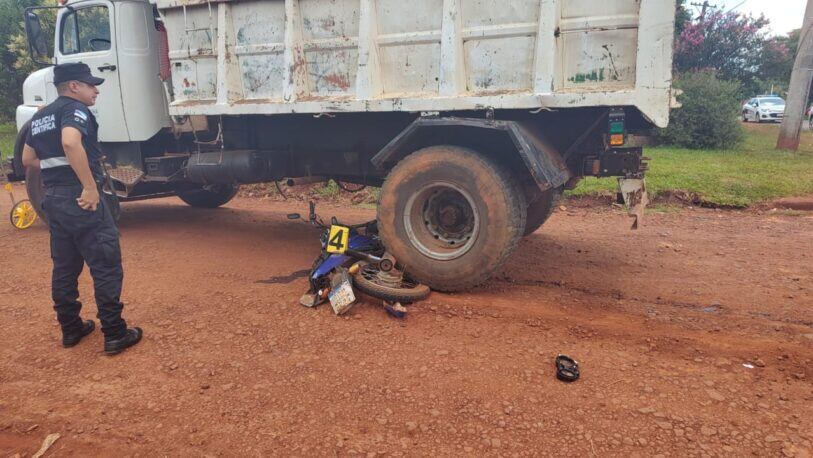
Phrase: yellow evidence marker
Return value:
(338, 239)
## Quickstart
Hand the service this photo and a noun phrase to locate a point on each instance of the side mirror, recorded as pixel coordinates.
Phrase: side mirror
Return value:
(37, 43)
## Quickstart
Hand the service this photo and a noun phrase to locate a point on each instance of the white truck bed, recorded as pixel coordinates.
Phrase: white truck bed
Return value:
(231, 57)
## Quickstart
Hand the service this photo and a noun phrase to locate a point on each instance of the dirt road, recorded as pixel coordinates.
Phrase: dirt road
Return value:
(695, 337)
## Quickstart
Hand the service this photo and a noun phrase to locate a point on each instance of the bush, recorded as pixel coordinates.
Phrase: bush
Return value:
(709, 118)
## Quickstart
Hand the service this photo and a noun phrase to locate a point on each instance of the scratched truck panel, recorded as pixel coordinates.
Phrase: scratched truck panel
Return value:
(259, 47)
(313, 56)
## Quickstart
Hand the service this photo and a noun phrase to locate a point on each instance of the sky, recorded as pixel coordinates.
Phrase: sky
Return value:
(785, 15)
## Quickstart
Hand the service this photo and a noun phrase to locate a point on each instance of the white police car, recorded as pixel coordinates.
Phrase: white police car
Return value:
(764, 108)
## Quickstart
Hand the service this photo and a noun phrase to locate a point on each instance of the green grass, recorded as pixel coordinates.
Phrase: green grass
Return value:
(8, 133)
(752, 173)
(329, 190)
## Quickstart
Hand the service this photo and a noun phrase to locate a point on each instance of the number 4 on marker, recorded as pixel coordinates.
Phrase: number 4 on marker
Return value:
(338, 239)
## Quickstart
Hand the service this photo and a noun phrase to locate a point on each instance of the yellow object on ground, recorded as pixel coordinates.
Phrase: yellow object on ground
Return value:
(23, 214)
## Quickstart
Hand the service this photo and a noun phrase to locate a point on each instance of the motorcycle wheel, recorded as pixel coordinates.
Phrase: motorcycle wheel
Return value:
(383, 285)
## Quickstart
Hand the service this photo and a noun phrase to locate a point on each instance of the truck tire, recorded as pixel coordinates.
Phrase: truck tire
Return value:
(210, 197)
(450, 216)
(17, 159)
(36, 191)
(540, 208)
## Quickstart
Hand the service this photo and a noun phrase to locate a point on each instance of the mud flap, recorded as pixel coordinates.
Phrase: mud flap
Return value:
(635, 198)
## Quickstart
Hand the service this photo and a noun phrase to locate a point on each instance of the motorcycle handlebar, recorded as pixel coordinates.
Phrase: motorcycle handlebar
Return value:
(315, 220)
(318, 222)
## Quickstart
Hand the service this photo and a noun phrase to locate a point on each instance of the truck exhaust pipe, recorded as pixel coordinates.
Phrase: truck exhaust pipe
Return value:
(291, 182)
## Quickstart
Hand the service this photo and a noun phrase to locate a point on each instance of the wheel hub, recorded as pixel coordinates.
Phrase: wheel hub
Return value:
(392, 279)
(448, 217)
(442, 221)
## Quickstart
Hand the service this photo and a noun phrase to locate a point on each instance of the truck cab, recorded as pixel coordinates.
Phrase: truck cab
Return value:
(118, 41)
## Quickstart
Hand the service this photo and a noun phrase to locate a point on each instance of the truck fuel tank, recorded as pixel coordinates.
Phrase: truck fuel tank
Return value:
(227, 167)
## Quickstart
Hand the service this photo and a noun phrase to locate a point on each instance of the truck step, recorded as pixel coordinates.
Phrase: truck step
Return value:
(127, 175)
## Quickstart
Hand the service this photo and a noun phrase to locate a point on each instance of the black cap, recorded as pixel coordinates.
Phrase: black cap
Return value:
(75, 72)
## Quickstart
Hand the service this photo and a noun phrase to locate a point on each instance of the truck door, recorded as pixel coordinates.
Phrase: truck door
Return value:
(85, 35)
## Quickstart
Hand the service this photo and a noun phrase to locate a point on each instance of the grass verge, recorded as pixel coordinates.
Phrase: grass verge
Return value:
(753, 173)
(8, 133)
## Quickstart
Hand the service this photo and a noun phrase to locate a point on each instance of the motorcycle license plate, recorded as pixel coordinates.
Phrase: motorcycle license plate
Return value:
(338, 239)
(342, 297)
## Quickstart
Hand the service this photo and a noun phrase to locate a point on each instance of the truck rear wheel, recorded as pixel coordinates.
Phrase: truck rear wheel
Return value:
(209, 197)
(36, 191)
(450, 216)
(540, 208)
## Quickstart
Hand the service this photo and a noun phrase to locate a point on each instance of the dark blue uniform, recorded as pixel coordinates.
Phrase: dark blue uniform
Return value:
(77, 236)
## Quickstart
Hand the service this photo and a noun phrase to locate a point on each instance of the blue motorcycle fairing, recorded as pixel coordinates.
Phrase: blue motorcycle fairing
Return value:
(357, 242)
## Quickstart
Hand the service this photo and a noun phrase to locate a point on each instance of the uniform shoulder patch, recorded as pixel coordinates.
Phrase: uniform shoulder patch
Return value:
(80, 117)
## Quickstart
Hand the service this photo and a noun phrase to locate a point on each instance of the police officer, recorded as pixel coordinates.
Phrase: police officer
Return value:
(62, 142)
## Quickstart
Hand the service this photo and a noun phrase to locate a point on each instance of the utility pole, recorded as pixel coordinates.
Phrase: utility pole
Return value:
(799, 91)
(704, 6)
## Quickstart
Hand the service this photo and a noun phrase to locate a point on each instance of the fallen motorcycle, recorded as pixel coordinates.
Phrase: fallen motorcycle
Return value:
(352, 255)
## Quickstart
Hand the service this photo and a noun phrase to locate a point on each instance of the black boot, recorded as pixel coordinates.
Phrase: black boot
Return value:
(70, 340)
(131, 337)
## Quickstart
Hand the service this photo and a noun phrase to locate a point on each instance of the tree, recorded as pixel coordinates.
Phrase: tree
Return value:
(683, 17)
(774, 72)
(13, 45)
(731, 44)
(778, 56)
(18, 44)
(708, 117)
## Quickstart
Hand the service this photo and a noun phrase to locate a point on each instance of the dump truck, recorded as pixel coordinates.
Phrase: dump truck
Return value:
(472, 116)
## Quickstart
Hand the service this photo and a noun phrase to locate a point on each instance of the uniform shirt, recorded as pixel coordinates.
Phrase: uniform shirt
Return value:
(45, 137)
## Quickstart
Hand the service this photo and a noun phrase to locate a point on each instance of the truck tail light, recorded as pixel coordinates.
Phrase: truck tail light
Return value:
(617, 127)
